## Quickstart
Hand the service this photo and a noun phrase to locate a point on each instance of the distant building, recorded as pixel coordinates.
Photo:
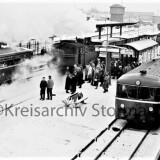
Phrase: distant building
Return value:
(139, 16)
(156, 19)
(117, 12)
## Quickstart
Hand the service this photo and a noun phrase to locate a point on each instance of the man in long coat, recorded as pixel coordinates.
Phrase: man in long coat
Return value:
(43, 86)
(73, 83)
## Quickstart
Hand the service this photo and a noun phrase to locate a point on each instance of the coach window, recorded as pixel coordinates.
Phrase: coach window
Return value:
(1, 65)
(157, 95)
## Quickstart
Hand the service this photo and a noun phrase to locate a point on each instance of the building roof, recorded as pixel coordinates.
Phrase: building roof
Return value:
(142, 44)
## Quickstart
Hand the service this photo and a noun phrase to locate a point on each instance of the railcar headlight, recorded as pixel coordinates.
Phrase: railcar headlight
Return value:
(122, 105)
(151, 109)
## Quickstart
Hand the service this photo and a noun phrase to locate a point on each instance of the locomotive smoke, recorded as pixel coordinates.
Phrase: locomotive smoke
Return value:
(21, 85)
(30, 65)
(24, 21)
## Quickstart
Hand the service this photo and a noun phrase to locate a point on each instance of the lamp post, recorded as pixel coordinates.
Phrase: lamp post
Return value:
(108, 56)
(52, 38)
(138, 25)
(32, 44)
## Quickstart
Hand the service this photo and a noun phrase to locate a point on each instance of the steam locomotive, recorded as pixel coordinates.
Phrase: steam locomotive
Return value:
(69, 52)
(138, 94)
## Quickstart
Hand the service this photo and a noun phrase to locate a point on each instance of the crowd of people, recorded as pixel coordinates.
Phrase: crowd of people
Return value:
(74, 79)
(118, 69)
(95, 73)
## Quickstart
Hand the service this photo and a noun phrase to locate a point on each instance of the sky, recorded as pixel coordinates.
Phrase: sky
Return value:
(131, 5)
(21, 19)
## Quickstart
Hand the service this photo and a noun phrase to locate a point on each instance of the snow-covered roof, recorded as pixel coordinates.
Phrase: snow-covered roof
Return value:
(117, 5)
(141, 45)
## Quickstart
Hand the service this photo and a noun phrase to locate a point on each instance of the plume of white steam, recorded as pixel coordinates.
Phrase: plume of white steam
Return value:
(21, 85)
(28, 68)
(21, 21)
(24, 21)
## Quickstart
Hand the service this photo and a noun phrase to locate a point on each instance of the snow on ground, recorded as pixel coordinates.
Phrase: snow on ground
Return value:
(56, 135)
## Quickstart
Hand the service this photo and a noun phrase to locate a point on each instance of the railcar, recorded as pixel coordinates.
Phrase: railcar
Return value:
(10, 59)
(138, 94)
(158, 39)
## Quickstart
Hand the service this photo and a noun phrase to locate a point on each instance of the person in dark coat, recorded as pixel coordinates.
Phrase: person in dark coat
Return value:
(80, 78)
(119, 72)
(68, 83)
(96, 77)
(43, 86)
(106, 82)
(73, 83)
(101, 76)
(43, 51)
(92, 78)
(115, 71)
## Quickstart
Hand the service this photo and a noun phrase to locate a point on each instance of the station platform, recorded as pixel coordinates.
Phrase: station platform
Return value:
(48, 129)
(35, 128)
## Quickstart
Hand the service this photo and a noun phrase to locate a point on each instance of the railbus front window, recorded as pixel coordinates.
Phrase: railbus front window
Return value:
(143, 93)
(131, 92)
(157, 95)
(126, 91)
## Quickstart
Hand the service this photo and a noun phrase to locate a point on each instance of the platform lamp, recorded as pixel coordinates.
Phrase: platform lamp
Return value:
(34, 43)
(52, 38)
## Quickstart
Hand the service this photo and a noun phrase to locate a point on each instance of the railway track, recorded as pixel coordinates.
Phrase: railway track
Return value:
(117, 141)
(17, 103)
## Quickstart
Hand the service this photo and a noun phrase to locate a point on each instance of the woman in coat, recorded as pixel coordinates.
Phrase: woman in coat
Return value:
(96, 77)
(80, 77)
(106, 82)
(68, 83)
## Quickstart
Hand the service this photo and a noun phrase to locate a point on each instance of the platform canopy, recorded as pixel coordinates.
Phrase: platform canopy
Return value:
(142, 44)
(111, 25)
